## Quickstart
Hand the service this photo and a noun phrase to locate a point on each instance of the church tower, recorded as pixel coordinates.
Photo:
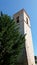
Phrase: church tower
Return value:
(23, 21)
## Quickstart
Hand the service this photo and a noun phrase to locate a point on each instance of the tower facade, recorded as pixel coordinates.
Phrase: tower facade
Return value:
(23, 21)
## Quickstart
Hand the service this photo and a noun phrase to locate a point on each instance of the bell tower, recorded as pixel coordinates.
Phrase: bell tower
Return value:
(23, 21)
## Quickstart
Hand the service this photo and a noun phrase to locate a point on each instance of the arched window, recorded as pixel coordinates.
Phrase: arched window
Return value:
(26, 20)
(17, 19)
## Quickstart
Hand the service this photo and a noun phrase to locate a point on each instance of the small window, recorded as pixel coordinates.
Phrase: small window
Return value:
(27, 20)
(18, 19)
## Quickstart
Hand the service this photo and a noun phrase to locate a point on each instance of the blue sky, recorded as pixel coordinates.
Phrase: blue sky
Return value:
(12, 6)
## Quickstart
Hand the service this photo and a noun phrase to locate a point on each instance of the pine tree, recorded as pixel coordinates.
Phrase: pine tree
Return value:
(11, 41)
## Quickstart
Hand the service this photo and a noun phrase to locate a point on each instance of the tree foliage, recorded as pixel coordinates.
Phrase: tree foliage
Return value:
(10, 40)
